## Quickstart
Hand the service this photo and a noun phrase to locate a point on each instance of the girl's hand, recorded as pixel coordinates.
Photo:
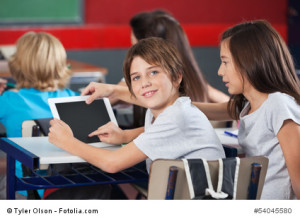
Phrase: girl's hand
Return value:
(109, 133)
(60, 133)
(2, 85)
(97, 90)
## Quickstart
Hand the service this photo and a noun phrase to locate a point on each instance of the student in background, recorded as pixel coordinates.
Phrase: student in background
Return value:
(159, 23)
(258, 70)
(174, 128)
(40, 70)
(2, 85)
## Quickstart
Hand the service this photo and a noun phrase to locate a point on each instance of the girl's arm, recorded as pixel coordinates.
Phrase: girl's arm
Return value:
(216, 96)
(214, 111)
(110, 161)
(289, 139)
(112, 91)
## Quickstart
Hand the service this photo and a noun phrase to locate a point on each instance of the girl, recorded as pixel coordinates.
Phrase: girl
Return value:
(174, 128)
(259, 72)
(159, 23)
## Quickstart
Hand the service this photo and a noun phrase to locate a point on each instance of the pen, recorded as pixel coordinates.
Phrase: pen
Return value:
(10, 84)
(230, 134)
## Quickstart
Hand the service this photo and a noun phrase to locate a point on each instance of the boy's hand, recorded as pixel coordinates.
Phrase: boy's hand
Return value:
(60, 133)
(109, 133)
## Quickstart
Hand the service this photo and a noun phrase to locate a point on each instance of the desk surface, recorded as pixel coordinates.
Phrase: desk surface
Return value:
(47, 152)
(76, 67)
(228, 140)
(50, 154)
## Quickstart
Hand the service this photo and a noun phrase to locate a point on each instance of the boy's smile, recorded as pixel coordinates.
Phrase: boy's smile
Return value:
(152, 85)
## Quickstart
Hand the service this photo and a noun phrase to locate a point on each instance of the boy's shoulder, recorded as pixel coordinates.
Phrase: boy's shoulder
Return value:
(183, 109)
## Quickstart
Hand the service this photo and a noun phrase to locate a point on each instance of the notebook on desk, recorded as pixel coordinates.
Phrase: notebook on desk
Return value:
(83, 118)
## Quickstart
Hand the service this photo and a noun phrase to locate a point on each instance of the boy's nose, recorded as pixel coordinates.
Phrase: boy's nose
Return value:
(146, 82)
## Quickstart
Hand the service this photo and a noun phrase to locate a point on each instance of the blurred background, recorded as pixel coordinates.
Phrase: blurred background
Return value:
(97, 32)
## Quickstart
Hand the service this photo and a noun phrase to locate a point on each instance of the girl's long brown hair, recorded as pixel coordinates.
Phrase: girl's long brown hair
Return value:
(161, 24)
(160, 52)
(262, 57)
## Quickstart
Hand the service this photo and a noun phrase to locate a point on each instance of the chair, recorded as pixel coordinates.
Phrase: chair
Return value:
(35, 128)
(229, 152)
(159, 174)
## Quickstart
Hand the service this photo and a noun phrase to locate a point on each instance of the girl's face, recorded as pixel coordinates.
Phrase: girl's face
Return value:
(231, 77)
(153, 86)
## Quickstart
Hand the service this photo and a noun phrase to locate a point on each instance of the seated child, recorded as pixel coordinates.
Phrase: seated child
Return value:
(174, 128)
(39, 68)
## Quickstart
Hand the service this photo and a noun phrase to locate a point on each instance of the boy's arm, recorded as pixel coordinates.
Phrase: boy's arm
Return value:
(107, 160)
(110, 161)
(214, 111)
(130, 135)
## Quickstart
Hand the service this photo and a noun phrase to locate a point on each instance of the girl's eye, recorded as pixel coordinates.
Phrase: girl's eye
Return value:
(135, 78)
(225, 62)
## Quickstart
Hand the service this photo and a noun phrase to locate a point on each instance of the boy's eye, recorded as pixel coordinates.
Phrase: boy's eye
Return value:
(154, 72)
(135, 78)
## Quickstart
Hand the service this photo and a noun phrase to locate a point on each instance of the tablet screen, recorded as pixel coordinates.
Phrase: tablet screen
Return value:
(82, 118)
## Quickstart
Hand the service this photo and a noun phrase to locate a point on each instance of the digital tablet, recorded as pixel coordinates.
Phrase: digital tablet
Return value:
(83, 118)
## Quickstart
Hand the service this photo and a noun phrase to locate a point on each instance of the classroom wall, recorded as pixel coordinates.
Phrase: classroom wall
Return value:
(103, 36)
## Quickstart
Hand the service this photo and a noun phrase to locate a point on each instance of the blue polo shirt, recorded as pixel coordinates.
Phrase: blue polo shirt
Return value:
(26, 104)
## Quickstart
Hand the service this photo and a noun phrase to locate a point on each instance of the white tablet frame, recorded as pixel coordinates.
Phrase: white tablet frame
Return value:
(53, 101)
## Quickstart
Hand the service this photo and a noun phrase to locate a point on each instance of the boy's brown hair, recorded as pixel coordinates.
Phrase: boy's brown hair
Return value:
(156, 51)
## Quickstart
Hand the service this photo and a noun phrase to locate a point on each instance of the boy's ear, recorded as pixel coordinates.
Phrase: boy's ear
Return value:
(178, 81)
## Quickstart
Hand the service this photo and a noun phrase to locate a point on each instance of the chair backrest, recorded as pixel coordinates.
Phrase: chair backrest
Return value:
(159, 174)
(41, 125)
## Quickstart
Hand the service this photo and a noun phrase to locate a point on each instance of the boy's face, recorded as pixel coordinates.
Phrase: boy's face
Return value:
(152, 85)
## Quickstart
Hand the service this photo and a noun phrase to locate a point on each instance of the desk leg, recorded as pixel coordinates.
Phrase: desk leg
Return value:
(10, 176)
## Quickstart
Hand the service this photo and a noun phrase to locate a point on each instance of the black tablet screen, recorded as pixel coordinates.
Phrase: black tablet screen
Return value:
(83, 119)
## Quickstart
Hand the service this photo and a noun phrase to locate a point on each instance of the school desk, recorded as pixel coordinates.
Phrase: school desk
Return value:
(77, 68)
(227, 139)
(36, 153)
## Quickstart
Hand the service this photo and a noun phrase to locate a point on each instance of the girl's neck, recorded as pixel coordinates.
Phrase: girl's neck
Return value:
(255, 98)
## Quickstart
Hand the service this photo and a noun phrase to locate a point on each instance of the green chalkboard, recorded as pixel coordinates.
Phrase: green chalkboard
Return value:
(40, 11)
